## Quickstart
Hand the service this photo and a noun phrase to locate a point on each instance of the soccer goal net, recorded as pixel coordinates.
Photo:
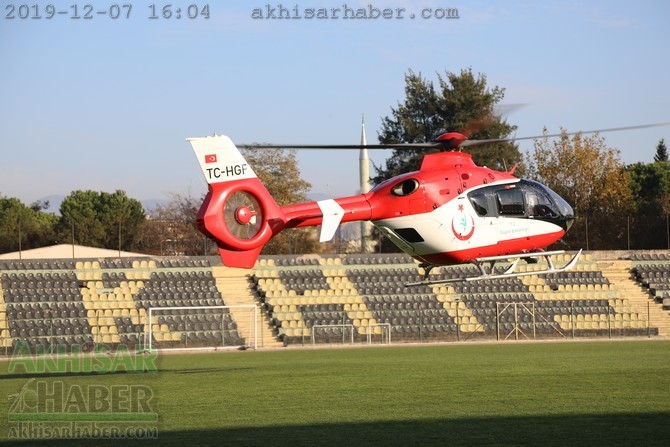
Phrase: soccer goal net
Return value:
(201, 327)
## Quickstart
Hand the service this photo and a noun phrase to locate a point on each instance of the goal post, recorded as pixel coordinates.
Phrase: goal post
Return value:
(201, 327)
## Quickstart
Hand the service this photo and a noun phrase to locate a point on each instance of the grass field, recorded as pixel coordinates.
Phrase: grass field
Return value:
(600, 393)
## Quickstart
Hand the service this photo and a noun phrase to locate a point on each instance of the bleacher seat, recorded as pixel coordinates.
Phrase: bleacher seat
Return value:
(580, 300)
(105, 301)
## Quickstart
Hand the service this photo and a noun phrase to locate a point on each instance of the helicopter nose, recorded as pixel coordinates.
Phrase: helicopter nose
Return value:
(568, 218)
(566, 215)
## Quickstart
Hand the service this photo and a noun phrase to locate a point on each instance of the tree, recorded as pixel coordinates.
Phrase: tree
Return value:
(584, 171)
(590, 176)
(278, 170)
(650, 187)
(171, 229)
(462, 103)
(661, 152)
(23, 227)
(121, 218)
(99, 219)
(78, 216)
(45, 232)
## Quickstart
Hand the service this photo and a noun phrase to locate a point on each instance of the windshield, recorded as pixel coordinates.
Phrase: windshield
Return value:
(541, 201)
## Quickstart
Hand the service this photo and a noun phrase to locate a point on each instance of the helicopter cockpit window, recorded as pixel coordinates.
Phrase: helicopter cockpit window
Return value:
(479, 203)
(405, 188)
(510, 202)
(539, 206)
(538, 203)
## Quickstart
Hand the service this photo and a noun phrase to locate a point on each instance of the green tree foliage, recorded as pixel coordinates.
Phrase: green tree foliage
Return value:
(23, 227)
(278, 170)
(79, 219)
(45, 232)
(661, 151)
(462, 103)
(121, 218)
(650, 186)
(99, 219)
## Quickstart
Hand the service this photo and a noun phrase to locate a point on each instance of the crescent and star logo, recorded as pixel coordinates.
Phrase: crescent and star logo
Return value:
(462, 225)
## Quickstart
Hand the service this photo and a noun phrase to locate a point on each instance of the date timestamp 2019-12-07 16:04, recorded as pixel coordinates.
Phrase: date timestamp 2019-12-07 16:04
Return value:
(114, 11)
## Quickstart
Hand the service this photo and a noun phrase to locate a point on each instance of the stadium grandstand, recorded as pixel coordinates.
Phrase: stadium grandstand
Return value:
(118, 298)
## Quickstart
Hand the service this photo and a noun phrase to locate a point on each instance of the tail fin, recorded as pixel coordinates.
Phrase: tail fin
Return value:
(238, 213)
(220, 160)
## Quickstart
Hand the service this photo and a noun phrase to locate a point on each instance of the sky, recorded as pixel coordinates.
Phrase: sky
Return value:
(106, 103)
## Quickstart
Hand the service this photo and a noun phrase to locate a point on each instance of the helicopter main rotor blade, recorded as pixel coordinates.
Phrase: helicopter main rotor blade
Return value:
(443, 144)
(341, 146)
(471, 143)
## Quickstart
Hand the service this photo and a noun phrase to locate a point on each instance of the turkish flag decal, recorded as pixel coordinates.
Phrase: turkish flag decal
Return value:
(210, 158)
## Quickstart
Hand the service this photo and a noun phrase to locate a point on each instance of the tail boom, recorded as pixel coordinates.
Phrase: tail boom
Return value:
(328, 213)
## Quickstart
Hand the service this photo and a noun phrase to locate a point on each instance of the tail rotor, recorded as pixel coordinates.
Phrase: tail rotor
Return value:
(243, 215)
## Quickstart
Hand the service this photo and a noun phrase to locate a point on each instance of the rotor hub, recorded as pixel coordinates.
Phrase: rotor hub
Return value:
(450, 140)
(244, 215)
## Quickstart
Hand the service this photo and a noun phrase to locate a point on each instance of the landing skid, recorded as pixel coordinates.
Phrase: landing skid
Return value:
(486, 268)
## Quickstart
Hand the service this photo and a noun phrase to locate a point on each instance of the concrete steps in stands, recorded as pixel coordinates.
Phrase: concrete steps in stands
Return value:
(618, 272)
(346, 284)
(457, 309)
(236, 290)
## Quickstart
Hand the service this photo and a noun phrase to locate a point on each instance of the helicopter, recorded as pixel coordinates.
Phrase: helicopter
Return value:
(451, 211)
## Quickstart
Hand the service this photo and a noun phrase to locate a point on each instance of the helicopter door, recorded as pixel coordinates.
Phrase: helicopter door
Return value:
(483, 202)
(495, 205)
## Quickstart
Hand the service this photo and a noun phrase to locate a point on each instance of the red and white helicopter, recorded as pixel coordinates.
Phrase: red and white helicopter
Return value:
(450, 211)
